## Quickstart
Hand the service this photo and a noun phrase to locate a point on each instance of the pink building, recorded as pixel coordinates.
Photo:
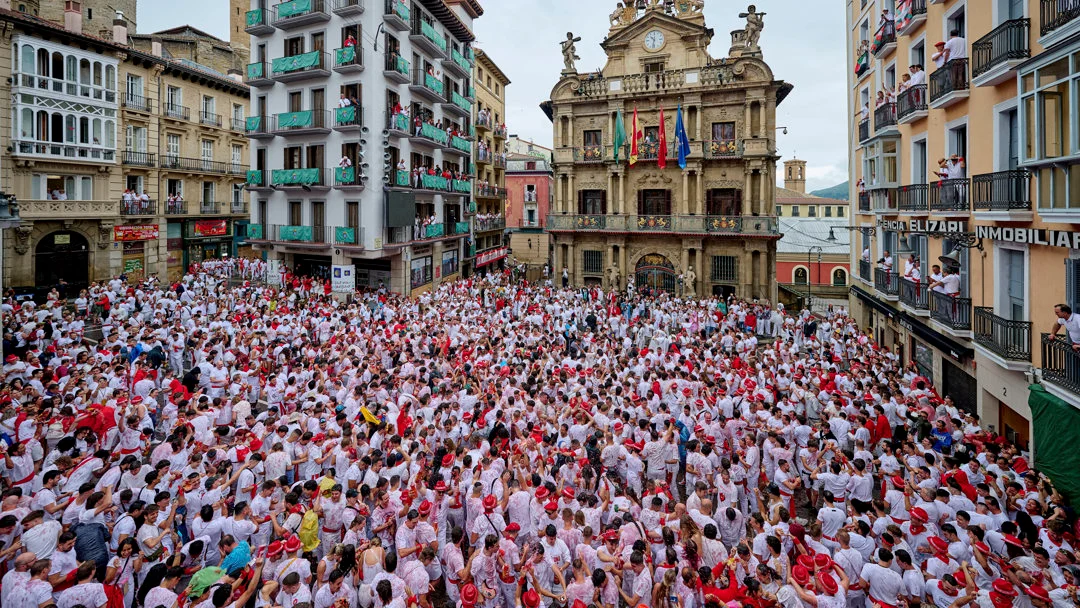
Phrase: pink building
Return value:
(529, 188)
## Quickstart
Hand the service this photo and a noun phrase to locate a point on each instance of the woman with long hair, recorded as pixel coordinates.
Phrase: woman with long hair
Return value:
(664, 595)
(123, 568)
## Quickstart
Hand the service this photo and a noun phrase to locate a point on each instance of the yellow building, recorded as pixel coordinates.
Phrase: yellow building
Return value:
(715, 218)
(971, 159)
(100, 135)
(489, 118)
(793, 201)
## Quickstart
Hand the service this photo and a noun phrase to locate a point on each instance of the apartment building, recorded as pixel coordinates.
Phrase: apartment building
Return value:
(360, 119)
(970, 167)
(489, 244)
(707, 229)
(114, 174)
(529, 190)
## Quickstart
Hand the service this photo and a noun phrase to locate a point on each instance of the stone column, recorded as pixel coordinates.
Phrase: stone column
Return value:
(608, 261)
(764, 123)
(685, 257)
(699, 194)
(747, 191)
(571, 196)
(763, 190)
(571, 263)
(557, 264)
(623, 269)
(685, 192)
(622, 192)
(746, 111)
(611, 201)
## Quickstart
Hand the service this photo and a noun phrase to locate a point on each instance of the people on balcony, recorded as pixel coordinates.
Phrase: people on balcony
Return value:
(939, 56)
(345, 161)
(953, 167)
(58, 194)
(949, 283)
(344, 101)
(956, 47)
(349, 41)
(886, 262)
(174, 203)
(936, 278)
(1070, 321)
(918, 75)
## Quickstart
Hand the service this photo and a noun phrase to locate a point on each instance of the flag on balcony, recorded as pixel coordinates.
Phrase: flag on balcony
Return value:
(634, 136)
(661, 157)
(682, 142)
(620, 135)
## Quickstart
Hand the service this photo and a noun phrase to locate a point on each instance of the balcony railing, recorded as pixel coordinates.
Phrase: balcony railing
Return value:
(1002, 191)
(949, 195)
(172, 110)
(349, 116)
(175, 207)
(1005, 338)
(953, 312)
(194, 165)
(884, 200)
(209, 208)
(489, 224)
(237, 169)
(256, 20)
(314, 235)
(864, 202)
(135, 102)
(258, 72)
(298, 178)
(397, 63)
(913, 198)
(428, 82)
(458, 100)
(209, 118)
(1006, 42)
(732, 225)
(294, 12)
(721, 148)
(302, 121)
(885, 36)
(57, 150)
(349, 57)
(237, 123)
(1057, 13)
(299, 64)
(914, 295)
(135, 206)
(866, 272)
(427, 30)
(258, 125)
(139, 159)
(886, 282)
(238, 208)
(864, 129)
(1060, 363)
(885, 116)
(431, 132)
(349, 176)
(399, 9)
(911, 100)
(949, 78)
(488, 191)
(916, 9)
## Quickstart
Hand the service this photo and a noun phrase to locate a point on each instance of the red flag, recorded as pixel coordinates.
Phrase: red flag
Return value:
(634, 136)
(661, 158)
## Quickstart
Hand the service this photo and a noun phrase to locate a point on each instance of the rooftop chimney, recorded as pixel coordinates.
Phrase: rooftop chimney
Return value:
(120, 29)
(73, 16)
(155, 47)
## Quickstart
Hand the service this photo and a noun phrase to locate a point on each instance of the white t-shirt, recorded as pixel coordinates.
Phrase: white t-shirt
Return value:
(951, 283)
(1072, 327)
(957, 48)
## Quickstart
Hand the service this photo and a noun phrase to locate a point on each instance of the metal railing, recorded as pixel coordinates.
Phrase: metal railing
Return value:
(866, 271)
(885, 36)
(913, 198)
(489, 191)
(1060, 363)
(301, 121)
(58, 150)
(136, 206)
(349, 56)
(172, 110)
(690, 224)
(285, 70)
(397, 63)
(426, 81)
(209, 118)
(911, 100)
(864, 129)
(883, 199)
(885, 116)
(950, 195)
(949, 78)
(864, 202)
(237, 124)
(175, 207)
(282, 16)
(258, 125)
(349, 116)
(914, 294)
(139, 159)
(488, 224)
(953, 312)
(1006, 338)
(209, 208)
(139, 103)
(256, 18)
(1001, 191)
(318, 235)
(238, 208)
(196, 165)
(1057, 13)
(1005, 42)
(886, 282)
(915, 9)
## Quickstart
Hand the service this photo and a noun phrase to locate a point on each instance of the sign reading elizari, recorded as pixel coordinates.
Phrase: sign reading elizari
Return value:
(1033, 236)
(924, 226)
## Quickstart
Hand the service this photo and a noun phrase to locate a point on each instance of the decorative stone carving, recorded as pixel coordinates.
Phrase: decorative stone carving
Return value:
(689, 8)
(613, 276)
(22, 239)
(569, 53)
(105, 235)
(724, 183)
(689, 279)
(755, 22)
(624, 14)
(653, 179)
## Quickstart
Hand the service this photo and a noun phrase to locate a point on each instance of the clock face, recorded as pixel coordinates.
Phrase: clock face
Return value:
(654, 40)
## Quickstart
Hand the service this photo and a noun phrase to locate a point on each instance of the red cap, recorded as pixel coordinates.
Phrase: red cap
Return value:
(800, 574)
(530, 598)
(805, 561)
(568, 493)
(275, 549)
(828, 584)
(919, 514)
(542, 493)
(938, 543)
(292, 544)
(425, 507)
(610, 535)
(897, 480)
(469, 594)
(448, 460)
(1004, 588)
(489, 502)
(551, 506)
(513, 527)
(823, 562)
(1038, 592)
(1012, 540)
(1000, 601)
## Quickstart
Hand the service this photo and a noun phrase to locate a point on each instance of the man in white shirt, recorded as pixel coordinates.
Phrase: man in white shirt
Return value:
(1071, 323)
(956, 47)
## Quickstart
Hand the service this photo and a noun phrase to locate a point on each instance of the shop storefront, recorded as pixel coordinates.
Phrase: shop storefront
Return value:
(372, 274)
(316, 266)
(451, 262)
(174, 251)
(491, 260)
(134, 241)
(207, 240)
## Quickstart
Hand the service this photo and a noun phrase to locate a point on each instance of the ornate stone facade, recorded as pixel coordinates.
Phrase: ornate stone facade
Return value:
(708, 227)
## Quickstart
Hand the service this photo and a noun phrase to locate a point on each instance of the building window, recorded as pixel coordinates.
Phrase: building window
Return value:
(839, 277)
(592, 202)
(175, 187)
(800, 276)
(725, 269)
(839, 212)
(592, 138)
(828, 211)
(208, 192)
(779, 211)
(811, 211)
(237, 154)
(592, 261)
(172, 146)
(880, 163)
(654, 202)
(723, 201)
(794, 211)
(1013, 273)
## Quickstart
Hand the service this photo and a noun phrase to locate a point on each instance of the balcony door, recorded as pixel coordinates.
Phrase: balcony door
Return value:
(1016, 9)
(1013, 271)
(654, 202)
(315, 157)
(724, 201)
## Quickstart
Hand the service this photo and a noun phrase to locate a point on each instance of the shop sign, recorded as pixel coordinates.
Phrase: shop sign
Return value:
(938, 226)
(62, 239)
(893, 225)
(144, 232)
(492, 255)
(1031, 236)
(211, 228)
(343, 279)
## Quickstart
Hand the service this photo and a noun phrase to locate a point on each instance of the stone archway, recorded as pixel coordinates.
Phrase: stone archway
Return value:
(655, 272)
(62, 254)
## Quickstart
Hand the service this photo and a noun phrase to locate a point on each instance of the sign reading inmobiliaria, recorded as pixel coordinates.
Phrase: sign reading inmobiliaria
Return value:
(1031, 236)
(137, 232)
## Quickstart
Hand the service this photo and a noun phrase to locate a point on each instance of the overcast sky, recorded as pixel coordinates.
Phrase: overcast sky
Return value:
(803, 45)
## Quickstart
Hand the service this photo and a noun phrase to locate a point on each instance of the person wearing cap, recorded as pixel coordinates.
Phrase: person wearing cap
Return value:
(950, 591)
(882, 584)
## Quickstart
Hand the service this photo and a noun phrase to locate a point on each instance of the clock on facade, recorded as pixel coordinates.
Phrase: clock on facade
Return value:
(654, 40)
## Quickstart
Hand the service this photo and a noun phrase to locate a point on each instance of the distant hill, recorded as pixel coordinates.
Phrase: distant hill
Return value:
(839, 192)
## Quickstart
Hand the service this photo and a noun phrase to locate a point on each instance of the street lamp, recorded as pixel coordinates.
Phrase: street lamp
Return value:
(809, 281)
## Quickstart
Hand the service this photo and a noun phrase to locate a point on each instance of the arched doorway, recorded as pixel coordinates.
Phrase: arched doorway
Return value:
(62, 255)
(655, 272)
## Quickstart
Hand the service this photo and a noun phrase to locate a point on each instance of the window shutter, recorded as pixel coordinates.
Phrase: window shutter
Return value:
(580, 199)
(1072, 283)
(667, 202)
(641, 202)
(603, 202)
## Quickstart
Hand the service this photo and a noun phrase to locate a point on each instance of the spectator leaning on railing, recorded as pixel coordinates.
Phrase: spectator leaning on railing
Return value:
(1071, 322)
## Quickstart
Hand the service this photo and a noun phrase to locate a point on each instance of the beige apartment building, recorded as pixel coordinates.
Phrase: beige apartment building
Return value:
(489, 247)
(708, 228)
(970, 165)
(122, 161)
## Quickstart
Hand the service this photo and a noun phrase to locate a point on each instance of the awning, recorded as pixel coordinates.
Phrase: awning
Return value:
(884, 309)
(1056, 426)
(914, 325)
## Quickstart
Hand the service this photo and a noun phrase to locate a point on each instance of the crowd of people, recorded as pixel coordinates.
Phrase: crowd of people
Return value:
(499, 444)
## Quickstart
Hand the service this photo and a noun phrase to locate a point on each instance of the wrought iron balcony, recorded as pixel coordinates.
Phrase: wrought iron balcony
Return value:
(396, 14)
(913, 198)
(311, 235)
(886, 282)
(884, 39)
(175, 207)
(719, 225)
(257, 22)
(396, 68)
(258, 74)
(135, 206)
(425, 36)
(1006, 43)
(864, 130)
(914, 295)
(884, 200)
(292, 68)
(1056, 14)
(139, 159)
(427, 86)
(347, 8)
(949, 83)
(908, 21)
(349, 59)
(305, 122)
(1002, 191)
(1008, 339)
(866, 272)
(137, 103)
(949, 196)
(884, 116)
(911, 104)
(298, 13)
(489, 191)
(259, 127)
(209, 118)
(864, 202)
(954, 312)
(175, 111)
(1060, 363)
(193, 165)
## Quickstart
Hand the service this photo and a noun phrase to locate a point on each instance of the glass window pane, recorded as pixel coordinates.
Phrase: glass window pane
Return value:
(1053, 72)
(1029, 127)
(1027, 82)
(1060, 200)
(1054, 108)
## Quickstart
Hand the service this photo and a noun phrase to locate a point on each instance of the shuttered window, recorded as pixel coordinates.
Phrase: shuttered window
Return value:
(592, 262)
(592, 202)
(725, 269)
(1072, 284)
